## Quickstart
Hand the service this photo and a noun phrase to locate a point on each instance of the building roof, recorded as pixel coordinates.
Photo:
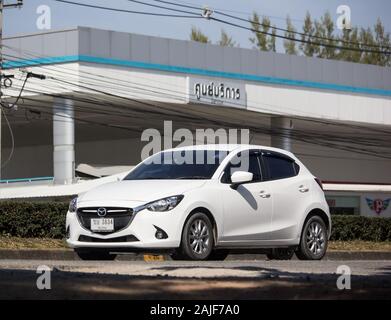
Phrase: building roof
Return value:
(147, 52)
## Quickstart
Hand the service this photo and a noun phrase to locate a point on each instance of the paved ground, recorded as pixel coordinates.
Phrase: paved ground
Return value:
(243, 279)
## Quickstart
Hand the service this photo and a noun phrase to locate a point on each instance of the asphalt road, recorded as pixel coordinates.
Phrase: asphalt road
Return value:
(247, 279)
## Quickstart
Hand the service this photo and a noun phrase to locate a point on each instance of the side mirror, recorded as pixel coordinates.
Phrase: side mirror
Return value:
(240, 177)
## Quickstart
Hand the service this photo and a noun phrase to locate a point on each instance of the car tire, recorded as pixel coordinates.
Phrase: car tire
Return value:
(94, 255)
(314, 240)
(197, 238)
(218, 255)
(280, 254)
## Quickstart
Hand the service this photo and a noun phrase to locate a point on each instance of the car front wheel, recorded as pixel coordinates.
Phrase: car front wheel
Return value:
(197, 238)
(314, 240)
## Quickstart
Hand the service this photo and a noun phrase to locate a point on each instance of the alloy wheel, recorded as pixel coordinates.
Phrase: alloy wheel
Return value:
(315, 238)
(199, 236)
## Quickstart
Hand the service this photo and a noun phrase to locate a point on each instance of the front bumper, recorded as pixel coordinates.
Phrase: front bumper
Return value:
(139, 234)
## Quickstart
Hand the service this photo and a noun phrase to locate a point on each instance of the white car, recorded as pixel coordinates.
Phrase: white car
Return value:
(200, 202)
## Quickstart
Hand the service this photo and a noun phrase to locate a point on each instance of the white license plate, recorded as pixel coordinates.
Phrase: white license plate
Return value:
(102, 224)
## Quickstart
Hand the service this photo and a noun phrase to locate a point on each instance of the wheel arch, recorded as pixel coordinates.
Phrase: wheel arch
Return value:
(211, 217)
(323, 215)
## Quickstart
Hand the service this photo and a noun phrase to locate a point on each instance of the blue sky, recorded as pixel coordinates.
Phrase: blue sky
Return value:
(19, 21)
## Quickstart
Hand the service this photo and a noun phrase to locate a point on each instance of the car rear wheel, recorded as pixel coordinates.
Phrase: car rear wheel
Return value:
(280, 254)
(314, 240)
(197, 238)
(94, 255)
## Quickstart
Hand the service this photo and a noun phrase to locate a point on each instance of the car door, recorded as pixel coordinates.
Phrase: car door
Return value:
(290, 192)
(247, 209)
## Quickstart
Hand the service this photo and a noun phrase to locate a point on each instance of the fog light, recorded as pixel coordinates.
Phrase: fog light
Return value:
(160, 234)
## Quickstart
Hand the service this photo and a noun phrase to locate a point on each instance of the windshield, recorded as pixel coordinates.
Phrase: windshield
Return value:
(189, 164)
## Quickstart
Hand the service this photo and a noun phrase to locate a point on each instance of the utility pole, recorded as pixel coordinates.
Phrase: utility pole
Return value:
(1, 73)
(3, 5)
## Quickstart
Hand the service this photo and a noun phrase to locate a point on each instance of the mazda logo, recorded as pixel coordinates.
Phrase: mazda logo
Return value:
(101, 212)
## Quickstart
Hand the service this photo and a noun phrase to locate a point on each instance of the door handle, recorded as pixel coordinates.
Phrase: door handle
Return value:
(303, 189)
(263, 194)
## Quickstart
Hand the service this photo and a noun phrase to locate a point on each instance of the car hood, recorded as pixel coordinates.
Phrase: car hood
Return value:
(140, 190)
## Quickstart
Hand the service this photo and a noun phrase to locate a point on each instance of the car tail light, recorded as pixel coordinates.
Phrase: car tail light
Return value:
(319, 182)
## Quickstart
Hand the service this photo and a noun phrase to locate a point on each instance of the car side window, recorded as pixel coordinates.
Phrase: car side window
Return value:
(279, 166)
(239, 163)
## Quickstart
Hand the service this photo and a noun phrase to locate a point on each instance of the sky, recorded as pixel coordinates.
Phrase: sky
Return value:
(20, 21)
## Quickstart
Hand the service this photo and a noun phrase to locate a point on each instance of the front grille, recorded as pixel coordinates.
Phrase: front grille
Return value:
(122, 217)
(130, 238)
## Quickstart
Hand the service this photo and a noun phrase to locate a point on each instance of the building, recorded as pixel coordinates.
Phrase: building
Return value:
(104, 88)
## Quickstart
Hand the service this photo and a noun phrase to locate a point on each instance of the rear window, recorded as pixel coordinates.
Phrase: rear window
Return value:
(279, 166)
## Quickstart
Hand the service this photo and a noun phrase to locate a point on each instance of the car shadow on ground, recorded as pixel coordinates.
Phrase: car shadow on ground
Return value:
(269, 284)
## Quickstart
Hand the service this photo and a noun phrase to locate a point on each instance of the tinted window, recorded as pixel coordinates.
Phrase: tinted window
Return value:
(249, 163)
(200, 164)
(279, 166)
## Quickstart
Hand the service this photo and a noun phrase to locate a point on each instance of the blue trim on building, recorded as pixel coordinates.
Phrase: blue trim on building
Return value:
(196, 71)
(27, 179)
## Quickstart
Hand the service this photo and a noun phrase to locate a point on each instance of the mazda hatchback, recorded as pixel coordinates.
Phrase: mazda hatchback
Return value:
(200, 202)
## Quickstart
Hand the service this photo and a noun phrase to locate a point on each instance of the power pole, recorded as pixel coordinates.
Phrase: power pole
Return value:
(3, 5)
(1, 73)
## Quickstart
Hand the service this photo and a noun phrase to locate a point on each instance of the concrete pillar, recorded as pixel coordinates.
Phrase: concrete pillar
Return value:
(281, 133)
(63, 141)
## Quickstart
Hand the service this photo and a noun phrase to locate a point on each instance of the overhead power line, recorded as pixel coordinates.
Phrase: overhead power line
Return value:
(309, 137)
(360, 44)
(232, 24)
(300, 40)
(126, 11)
(173, 93)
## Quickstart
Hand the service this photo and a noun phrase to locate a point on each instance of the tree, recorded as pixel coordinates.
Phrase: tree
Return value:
(350, 39)
(197, 35)
(261, 39)
(382, 39)
(325, 29)
(306, 47)
(290, 45)
(366, 38)
(226, 40)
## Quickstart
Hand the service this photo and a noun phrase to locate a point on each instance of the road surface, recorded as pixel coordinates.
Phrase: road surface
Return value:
(247, 279)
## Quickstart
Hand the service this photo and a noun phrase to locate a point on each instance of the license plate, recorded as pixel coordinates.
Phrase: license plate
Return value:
(102, 224)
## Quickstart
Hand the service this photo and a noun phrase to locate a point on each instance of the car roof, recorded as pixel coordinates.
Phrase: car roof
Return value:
(230, 147)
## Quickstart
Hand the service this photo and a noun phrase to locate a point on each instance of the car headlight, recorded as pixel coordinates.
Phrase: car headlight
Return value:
(73, 205)
(164, 204)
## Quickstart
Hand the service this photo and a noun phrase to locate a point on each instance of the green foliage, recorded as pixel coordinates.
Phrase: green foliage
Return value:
(33, 220)
(325, 29)
(356, 38)
(290, 45)
(47, 220)
(226, 40)
(360, 228)
(306, 47)
(261, 40)
(197, 35)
